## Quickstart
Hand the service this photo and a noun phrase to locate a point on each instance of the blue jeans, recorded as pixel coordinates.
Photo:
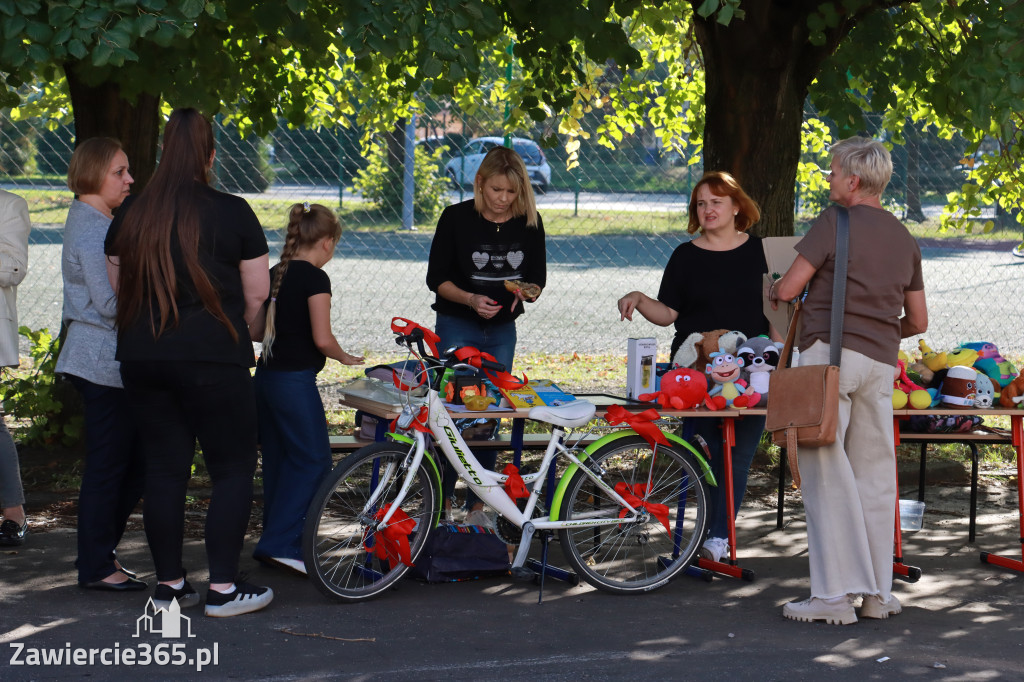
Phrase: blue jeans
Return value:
(112, 479)
(497, 339)
(296, 456)
(748, 435)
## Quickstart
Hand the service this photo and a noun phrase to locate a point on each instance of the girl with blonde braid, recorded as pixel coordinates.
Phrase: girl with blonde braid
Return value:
(297, 340)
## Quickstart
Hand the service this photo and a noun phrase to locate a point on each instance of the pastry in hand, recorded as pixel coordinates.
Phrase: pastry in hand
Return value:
(529, 290)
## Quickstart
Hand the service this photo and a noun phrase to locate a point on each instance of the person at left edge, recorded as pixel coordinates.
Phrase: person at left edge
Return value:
(112, 476)
(14, 229)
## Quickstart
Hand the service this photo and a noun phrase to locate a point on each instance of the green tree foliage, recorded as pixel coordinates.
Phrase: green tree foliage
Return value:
(381, 183)
(726, 79)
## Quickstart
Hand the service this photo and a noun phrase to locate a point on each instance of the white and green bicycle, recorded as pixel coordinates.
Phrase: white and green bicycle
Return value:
(630, 514)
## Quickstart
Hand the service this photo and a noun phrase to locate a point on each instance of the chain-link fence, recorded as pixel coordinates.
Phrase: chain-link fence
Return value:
(612, 222)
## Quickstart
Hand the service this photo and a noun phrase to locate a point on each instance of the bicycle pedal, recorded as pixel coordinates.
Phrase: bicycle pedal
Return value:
(522, 574)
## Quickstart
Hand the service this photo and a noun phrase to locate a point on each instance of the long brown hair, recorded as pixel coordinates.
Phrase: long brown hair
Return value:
(307, 224)
(143, 243)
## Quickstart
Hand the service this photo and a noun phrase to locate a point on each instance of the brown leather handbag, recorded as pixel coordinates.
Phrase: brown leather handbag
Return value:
(803, 402)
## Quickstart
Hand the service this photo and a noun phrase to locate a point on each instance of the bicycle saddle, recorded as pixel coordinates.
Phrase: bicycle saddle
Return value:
(569, 415)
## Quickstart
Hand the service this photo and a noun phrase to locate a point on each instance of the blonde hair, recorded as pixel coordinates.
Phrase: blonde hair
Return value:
(723, 184)
(89, 163)
(868, 159)
(507, 162)
(307, 225)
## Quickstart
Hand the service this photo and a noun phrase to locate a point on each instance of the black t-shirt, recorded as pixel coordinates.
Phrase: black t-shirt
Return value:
(478, 256)
(715, 289)
(229, 233)
(293, 348)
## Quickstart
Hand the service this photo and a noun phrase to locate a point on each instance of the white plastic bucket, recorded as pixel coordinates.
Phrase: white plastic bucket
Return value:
(911, 515)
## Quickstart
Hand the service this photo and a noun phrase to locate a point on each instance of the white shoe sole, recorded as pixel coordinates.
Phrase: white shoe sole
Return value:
(872, 608)
(836, 618)
(237, 607)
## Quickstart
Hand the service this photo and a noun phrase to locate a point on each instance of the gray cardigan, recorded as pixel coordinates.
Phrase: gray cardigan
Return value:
(89, 301)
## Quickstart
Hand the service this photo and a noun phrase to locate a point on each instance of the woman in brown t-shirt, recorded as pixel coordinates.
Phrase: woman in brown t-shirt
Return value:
(849, 487)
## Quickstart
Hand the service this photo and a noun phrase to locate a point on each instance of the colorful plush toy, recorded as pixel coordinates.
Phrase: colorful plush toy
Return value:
(985, 395)
(681, 389)
(961, 357)
(728, 391)
(932, 360)
(959, 388)
(760, 356)
(991, 363)
(695, 351)
(907, 392)
(1012, 394)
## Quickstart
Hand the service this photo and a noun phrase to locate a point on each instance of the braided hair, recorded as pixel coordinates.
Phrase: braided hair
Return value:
(307, 225)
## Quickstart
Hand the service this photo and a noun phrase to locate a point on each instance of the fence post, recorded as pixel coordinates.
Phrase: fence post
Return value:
(341, 167)
(408, 178)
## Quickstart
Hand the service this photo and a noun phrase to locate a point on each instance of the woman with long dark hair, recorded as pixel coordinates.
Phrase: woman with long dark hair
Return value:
(190, 268)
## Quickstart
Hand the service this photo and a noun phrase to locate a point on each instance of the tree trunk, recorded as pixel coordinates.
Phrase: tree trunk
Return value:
(100, 111)
(757, 74)
(914, 210)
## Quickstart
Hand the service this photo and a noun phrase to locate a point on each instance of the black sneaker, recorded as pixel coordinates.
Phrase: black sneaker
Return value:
(244, 599)
(186, 596)
(12, 534)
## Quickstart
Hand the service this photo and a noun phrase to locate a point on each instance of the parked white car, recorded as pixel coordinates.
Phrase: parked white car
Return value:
(462, 167)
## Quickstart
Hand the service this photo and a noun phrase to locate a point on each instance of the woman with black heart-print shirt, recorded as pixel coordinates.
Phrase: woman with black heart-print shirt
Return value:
(478, 245)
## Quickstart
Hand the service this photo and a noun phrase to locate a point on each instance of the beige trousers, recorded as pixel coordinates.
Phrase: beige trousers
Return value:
(849, 487)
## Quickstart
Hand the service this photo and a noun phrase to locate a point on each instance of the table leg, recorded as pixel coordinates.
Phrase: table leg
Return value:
(1017, 427)
(730, 569)
(910, 574)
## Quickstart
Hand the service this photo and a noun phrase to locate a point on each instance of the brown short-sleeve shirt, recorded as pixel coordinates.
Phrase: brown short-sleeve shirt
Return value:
(884, 263)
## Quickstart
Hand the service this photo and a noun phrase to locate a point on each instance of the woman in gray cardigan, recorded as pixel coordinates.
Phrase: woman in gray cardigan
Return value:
(113, 476)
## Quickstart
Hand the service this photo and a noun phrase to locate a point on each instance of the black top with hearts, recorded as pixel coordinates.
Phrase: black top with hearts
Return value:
(478, 255)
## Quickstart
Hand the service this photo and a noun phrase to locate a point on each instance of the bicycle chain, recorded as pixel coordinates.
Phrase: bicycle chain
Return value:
(510, 533)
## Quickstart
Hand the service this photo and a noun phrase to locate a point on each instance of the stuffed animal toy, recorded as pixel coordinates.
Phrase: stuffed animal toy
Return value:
(932, 360)
(985, 395)
(961, 357)
(991, 363)
(696, 350)
(681, 389)
(1012, 394)
(920, 374)
(907, 392)
(959, 387)
(760, 357)
(728, 391)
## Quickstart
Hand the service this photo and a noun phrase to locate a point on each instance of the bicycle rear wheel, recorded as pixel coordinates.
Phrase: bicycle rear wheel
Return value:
(642, 555)
(340, 530)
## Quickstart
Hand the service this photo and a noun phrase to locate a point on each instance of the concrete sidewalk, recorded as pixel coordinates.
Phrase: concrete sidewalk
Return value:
(962, 621)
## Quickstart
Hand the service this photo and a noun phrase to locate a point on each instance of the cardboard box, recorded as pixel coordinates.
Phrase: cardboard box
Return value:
(641, 355)
(779, 252)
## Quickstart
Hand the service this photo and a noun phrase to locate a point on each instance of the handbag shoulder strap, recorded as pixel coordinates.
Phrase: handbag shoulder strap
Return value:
(839, 285)
(787, 348)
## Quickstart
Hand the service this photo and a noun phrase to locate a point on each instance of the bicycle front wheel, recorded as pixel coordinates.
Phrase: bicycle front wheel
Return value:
(645, 554)
(340, 532)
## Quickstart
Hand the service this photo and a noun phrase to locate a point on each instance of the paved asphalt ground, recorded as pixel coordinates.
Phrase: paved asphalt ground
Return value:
(963, 620)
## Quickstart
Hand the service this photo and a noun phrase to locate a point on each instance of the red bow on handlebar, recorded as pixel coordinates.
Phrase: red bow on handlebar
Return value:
(400, 325)
(502, 380)
(641, 422)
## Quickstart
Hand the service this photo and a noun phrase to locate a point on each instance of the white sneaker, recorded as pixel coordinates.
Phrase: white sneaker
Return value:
(478, 517)
(294, 565)
(838, 611)
(714, 549)
(873, 607)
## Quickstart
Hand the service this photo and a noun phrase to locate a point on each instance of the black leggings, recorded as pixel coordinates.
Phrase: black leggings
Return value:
(176, 403)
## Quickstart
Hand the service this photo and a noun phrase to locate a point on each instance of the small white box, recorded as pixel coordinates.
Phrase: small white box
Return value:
(640, 358)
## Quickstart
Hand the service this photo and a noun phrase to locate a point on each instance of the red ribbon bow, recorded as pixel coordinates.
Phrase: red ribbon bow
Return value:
(502, 380)
(400, 325)
(515, 487)
(630, 494)
(419, 423)
(391, 543)
(641, 422)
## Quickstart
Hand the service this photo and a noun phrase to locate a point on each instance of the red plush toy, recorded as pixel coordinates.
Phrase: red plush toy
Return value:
(681, 389)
